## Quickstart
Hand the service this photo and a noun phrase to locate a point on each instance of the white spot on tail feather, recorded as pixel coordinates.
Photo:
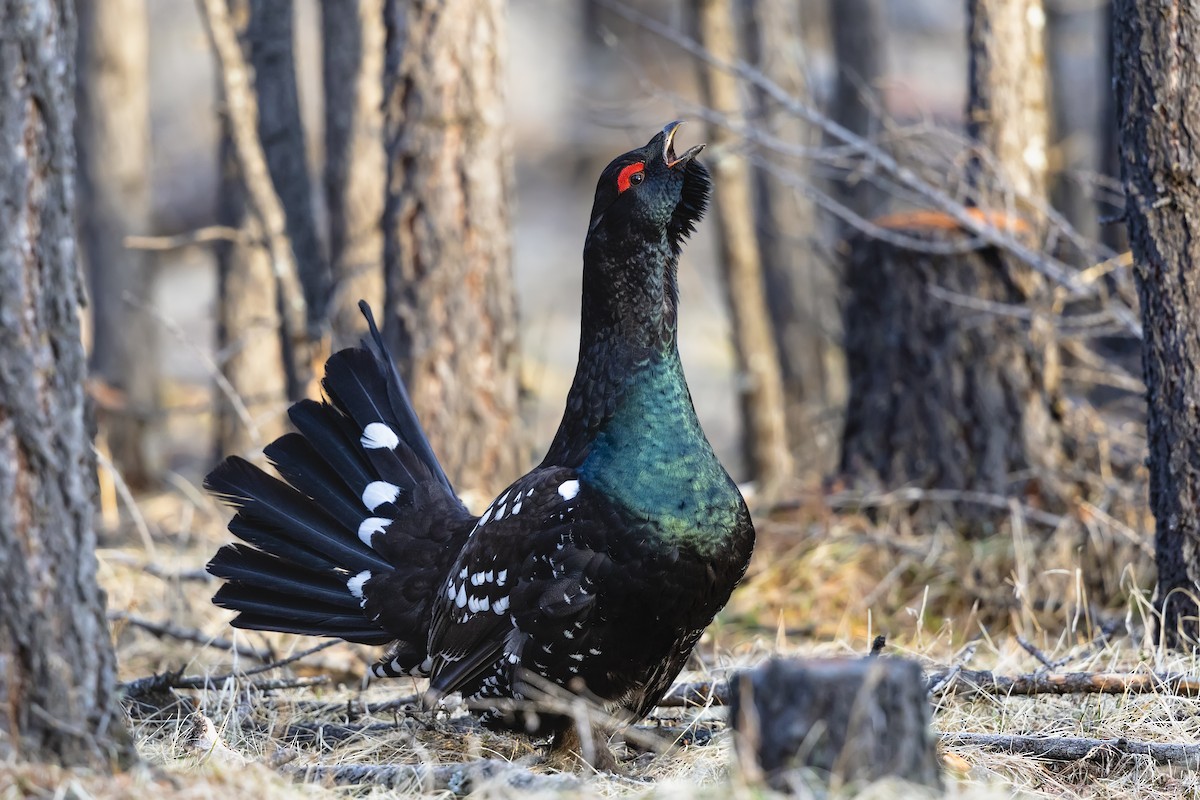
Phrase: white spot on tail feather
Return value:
(378, 436)
(568, 489)
(379, 492)
(355, 584)
(371, 526)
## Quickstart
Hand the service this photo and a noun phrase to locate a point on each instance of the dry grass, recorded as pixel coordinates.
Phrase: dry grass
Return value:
(822, 584)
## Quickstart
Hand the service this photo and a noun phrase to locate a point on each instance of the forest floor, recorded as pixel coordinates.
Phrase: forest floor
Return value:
(1016, 603)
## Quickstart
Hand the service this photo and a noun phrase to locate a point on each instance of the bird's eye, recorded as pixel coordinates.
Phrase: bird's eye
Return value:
(631, 175)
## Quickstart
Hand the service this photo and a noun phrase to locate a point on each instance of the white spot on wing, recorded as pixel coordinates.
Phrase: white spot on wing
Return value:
(568, 489)
(461, 599)
(355, 584)
(501, 605)
(378, 436)
(516, 509)
(500, 512)
(379, 492)
(371, 526)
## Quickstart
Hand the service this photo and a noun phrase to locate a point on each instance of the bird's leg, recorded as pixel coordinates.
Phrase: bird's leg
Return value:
(569, 750)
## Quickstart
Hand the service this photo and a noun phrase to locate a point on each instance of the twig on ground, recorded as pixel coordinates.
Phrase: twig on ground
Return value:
(460, 779)
(697, 693)
(1070, 748)
(966, 682)
(1030, 648)
(163, 681)
(161, 629)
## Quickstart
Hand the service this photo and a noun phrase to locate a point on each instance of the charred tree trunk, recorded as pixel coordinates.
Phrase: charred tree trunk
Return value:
(1158, 78)
(112, 135)
(944, 392)
(353, 41)
(451, 310)
(859, 56)
(58, 694)
(268, 42)
(801, 288)
(834, 721)
(763, 407)
(1007, 106)
(262, 315)
(951, 389)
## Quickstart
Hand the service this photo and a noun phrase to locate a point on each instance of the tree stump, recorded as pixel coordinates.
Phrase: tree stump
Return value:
(837, 721)
(952, 370)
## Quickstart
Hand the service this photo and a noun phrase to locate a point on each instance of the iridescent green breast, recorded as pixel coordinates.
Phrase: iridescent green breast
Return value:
(653, 458)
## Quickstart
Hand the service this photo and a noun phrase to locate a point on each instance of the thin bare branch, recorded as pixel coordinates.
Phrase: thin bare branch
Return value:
(1071, 748)
(207, 235)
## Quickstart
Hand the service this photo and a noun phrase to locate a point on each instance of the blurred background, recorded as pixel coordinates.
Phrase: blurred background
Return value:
(581, 84)
(909, 310)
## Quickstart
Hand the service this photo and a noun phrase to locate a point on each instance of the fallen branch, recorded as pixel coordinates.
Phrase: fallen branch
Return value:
(166, 629)
(957, 681)
(173, 680)
(459, 779)
(1070, 748)
(164, 681)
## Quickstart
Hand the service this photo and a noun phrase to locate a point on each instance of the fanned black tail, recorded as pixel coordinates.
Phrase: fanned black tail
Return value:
(363, 526)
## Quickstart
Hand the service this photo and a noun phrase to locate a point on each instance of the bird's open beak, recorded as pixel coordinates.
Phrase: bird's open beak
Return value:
(669, 156)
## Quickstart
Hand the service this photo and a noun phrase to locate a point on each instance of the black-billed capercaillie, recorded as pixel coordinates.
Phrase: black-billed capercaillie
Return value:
(595, 573)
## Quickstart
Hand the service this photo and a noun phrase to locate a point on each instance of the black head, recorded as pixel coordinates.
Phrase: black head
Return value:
(650, 193)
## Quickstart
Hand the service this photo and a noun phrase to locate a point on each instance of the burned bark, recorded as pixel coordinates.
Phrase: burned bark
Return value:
(945, 392)
(837, 721)
(1157, 81)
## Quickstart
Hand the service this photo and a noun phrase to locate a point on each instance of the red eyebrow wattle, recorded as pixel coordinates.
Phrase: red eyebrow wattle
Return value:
(627, 173)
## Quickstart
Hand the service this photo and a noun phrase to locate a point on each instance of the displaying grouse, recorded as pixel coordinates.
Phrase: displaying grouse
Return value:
(596, 573)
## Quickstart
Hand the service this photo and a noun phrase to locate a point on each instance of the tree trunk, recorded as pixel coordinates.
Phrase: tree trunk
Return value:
(353, 42)
(263, 320)
(834, 721)
(251, 411)
(859, 55)
(1158, 78)
(1007, 104)
(268, 42)
(801, 288)
(451, 310)
(944, 392)
(1076, 50)
(58, 696)
(113, 139)
(762, 397)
